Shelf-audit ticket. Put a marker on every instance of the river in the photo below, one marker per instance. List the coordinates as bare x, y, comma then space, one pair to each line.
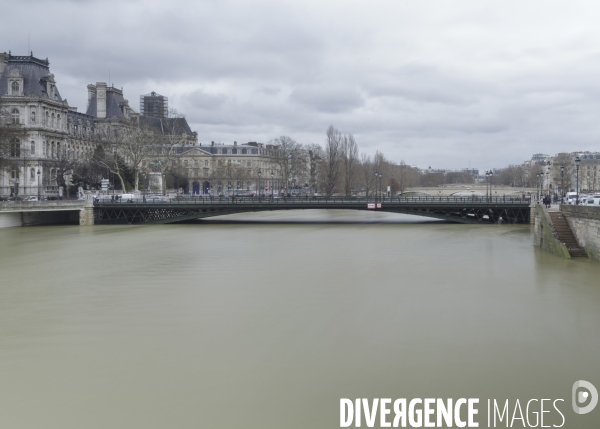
268, 325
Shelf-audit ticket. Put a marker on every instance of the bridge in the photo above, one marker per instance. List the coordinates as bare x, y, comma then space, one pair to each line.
471, 210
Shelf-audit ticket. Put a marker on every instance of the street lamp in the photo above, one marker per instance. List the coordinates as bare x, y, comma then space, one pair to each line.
145, 185
376, 185
272, 179
562, 186
258, 190
39, 191
547, 183
577, 162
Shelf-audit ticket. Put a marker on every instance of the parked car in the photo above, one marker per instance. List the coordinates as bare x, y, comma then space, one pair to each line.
14, 198
32, 198
593, 200
156, 199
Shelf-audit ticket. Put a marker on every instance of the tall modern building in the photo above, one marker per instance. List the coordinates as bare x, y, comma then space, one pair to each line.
154, 105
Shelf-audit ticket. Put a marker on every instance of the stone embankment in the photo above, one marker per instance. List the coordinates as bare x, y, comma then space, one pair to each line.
585, 224
574, 231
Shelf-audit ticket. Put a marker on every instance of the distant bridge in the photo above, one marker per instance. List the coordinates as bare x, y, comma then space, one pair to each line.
454, 209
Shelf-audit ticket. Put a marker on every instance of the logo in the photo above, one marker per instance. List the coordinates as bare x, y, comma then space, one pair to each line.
585, 397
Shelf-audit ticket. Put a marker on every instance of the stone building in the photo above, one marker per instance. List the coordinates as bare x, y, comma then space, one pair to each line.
227, 168
29, 92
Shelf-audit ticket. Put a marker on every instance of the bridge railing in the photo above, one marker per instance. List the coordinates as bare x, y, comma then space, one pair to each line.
308, 200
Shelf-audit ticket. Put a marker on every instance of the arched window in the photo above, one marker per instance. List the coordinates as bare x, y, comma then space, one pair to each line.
47, 119
15, 148
33, 116
15, 90
57, 149
16, 116
53, 124
58, 122
44, 148
32, 174
52, 150
32, 148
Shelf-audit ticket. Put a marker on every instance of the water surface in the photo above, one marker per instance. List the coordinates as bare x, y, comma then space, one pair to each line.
269, 325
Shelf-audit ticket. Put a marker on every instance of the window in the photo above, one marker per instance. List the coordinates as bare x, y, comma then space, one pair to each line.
32, 174
33, 148
206, 172
16, 116
249, 164
14, 174
52, 150
173, 163
33, 116
224, 151
196, 163
15, 149
244, 151
15, 88
239, 163
58, 122
185, 162
234, 151
206, 162
53, 123
47, 119
44, 147
228, 162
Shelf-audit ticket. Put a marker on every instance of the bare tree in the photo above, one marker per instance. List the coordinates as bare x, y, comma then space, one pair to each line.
137, 147
170, 136
566, 179
350, 158
315, 159
290, 159
10, 132
332, 159
368, 168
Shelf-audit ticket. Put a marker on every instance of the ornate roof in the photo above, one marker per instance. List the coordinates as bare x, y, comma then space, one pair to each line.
35, 73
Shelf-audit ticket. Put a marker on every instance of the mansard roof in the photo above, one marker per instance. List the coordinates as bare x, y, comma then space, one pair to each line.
165, 125
35, 73
114, 104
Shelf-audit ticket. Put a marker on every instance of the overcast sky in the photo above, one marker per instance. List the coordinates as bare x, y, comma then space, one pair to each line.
441, 83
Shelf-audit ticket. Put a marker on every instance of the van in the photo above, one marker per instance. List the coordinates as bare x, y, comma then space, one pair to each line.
571, 197
126, 198
593, 200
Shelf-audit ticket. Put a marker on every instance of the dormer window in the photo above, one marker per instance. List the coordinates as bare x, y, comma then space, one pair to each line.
15, 88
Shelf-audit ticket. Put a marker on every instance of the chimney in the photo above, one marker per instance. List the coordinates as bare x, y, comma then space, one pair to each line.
91, 92
101, 100
235, 143
3, 61
212, 143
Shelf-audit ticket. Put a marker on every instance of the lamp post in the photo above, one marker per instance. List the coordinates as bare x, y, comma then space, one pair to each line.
272, 179
547, 182
562, 186
577, 162
376, 177
145, 185
39, 191
490, 180
380, 174
258, 190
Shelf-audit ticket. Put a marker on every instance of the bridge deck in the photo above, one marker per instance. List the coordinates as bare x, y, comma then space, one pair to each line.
455, 209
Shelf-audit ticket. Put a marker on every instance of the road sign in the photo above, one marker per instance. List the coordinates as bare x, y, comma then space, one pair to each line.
371, 206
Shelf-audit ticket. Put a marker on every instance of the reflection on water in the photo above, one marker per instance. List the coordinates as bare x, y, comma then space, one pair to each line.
268, 326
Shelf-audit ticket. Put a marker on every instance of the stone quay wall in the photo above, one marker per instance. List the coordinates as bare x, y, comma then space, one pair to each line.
544, 235
585, 224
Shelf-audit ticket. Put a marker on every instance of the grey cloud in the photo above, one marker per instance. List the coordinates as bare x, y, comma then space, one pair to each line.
330, 99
